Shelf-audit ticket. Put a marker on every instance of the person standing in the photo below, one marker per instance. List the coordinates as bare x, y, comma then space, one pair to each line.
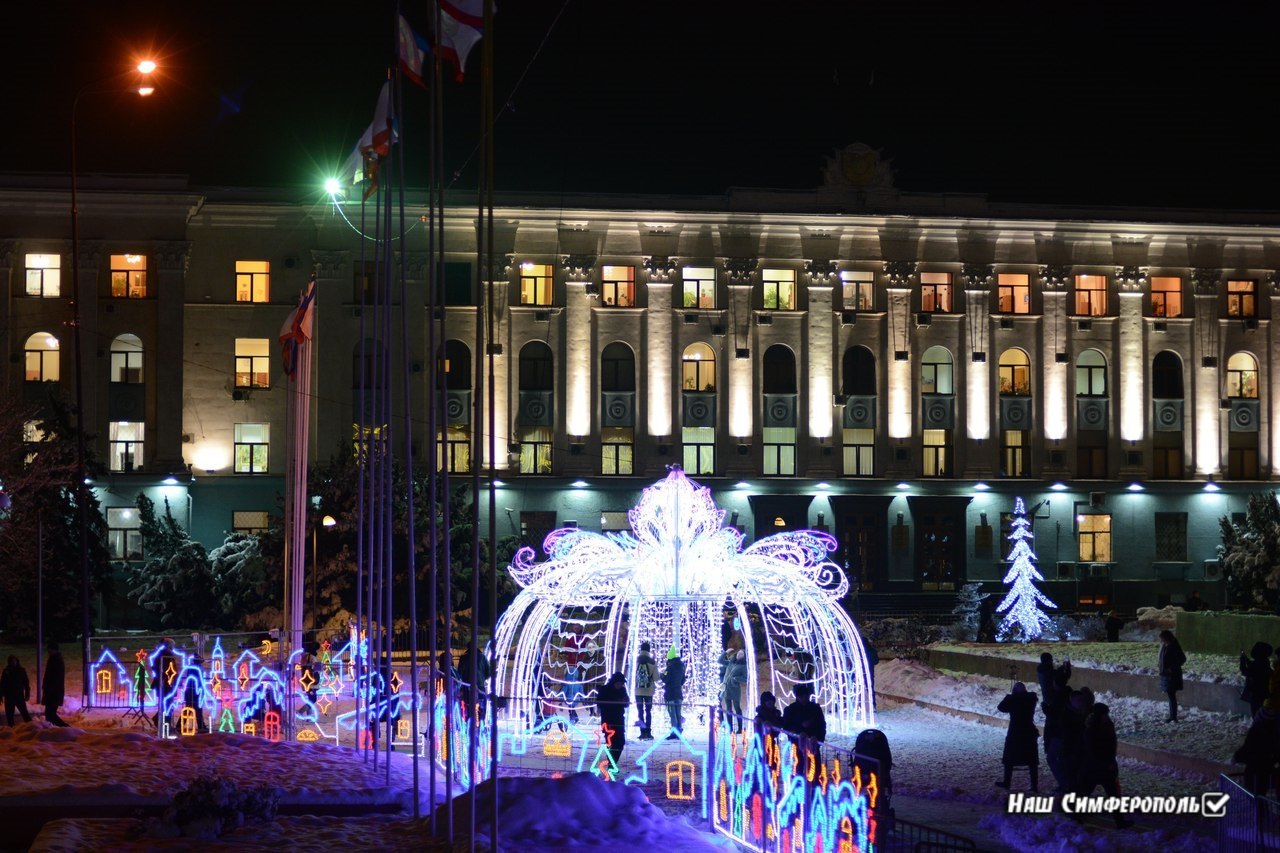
1020, 742
873, 658
767, 713
804, 717
16, 689
1044, 674
735, 675
1113, 625
646, 683
54, 688
1056, 706
1256, 670
1171, 661
1100, 763
673, 690
611, 704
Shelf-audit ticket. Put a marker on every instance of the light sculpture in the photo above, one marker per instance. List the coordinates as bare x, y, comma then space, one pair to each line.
1023, 617
673, 580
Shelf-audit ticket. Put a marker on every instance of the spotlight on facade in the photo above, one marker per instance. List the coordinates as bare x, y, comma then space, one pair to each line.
742, 484
1058, 487
1211, 486
822, 487
904, 486
579, 484
980, 487
1135, 487
498, 484
170, 480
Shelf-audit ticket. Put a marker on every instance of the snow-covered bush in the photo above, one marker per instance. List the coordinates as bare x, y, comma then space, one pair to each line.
900, 637
210, 805
1090, 628
968, 613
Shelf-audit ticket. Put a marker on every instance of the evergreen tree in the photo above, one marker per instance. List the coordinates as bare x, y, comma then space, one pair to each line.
1023, 618
176, 579
1250, 552
968, 611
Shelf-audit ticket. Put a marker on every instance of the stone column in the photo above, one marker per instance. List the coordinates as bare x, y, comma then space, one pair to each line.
821, 360
1055, 358
1207, 367
1132, 361
171, 284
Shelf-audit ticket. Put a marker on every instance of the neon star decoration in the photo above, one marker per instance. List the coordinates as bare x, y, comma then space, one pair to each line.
672, 580
1023, 617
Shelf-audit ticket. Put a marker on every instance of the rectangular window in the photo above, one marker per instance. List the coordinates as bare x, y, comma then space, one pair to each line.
859, 452
1013, 453
1242, 382
1015, 380
858, 290
44, 276
534, 527
1091, 295
1166, 462
253, 363
253, 281
126, 439
457, 283
936, 377
618, 286
1171, 537
935, 292
699, 450
699, 287
779, 451
935, 453
535, 450
1095, 538
455, 451
1242, 299
535, 283
252, 448
779, 289
1091, 454
128, 276
1166, 296
615, 520
617, 450
124, 533
126, 364
1013, 293
249, 521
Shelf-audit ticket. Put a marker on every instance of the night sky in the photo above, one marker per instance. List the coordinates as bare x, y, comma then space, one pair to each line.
1142, 104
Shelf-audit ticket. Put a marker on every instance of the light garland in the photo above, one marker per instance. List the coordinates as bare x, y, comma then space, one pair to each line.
1023, 617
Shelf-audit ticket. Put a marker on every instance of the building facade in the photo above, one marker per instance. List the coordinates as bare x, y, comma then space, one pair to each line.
894, 368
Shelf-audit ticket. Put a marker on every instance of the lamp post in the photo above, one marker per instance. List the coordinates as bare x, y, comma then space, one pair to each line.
110, 85
327, 521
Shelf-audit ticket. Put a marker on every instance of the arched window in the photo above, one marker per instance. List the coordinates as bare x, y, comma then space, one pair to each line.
454, 453
936, 372
536, 418
457, 365
42, 358
617, 390
1242, 376
780, 402
126, 360
536, 367
698, 368
779, 370
858, 372
617, 368
1166, 376
1015, 373
1091, 374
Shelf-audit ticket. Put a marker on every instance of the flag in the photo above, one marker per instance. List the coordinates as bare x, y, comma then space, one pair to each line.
413, 50
461, 25
297, 327
374, 144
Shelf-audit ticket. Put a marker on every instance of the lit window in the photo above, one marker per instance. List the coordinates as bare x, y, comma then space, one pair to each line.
779, 289
252, 448
936, 372
253, 363
618, 286
44, 276
935, 453
126, 360
253, 281
124, 533
1013, 453
128, 276
617, 450
249, 521
779, 445
1091, 374
1242, 376
698, 368
859, 452
126, 440
1242, 299
859, 290
1013, 293
535, 284
1095, 538
699, 287
1091, 295
1015, 373
455, 450
935, 292
535, 450
42, 358
699, 449
1166, 296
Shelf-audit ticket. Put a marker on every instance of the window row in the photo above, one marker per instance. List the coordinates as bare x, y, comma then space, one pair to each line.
128, 274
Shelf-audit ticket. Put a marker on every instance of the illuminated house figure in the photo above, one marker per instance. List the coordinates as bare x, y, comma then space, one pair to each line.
673, 580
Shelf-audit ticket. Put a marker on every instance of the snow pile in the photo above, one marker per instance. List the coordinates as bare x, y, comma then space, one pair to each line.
1159, 618
1137, 657
1058, 834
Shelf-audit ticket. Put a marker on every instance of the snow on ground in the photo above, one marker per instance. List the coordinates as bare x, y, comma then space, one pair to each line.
1138, 658
1204, 734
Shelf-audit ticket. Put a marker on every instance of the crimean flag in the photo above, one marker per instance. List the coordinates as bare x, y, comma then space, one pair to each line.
461, 26
413, 50
297, 327
374, 144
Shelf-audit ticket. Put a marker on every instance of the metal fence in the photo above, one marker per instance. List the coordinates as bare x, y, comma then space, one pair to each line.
902, 835
1250, 823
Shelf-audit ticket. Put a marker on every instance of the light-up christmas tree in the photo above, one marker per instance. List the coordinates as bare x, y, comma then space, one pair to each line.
1023, 617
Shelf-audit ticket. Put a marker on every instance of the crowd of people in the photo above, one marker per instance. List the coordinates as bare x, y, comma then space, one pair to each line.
1260, 752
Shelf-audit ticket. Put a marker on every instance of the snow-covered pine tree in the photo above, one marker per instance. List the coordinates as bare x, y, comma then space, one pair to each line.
968, 611
1023, 617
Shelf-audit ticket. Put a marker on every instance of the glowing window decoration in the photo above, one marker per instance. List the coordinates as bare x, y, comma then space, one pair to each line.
187, 721
271, 726
249, 728
681, 772
403, 730
556, 744
673, 576
102, 681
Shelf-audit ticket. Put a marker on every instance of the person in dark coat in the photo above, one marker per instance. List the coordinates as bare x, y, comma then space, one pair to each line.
1195, 603
1100, 763
804, 717
1044, 674
732, 678
1020, 742
767, 713
54, 688
1259, 754
1171, 661
1075, 755
611, 704
1056, 706
673, 690
1113, 625
1256, 670
646, 683
15, 687
872, 744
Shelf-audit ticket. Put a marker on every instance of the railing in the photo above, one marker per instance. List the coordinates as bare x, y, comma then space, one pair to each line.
1250, 823
905, 835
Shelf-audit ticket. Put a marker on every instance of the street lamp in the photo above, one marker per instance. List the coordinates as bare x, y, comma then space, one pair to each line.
111, 84
327, 521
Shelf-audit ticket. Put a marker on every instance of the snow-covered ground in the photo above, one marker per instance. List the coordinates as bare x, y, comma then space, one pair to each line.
1136, 657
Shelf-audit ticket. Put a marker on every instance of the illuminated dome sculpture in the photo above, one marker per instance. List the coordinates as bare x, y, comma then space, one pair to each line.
675, 579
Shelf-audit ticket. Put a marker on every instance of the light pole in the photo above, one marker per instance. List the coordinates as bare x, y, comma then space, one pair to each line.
145, 69
327, 521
